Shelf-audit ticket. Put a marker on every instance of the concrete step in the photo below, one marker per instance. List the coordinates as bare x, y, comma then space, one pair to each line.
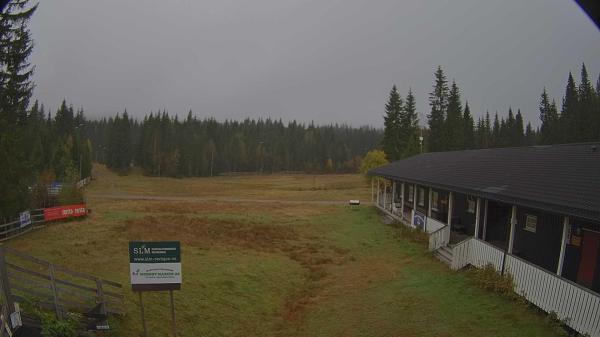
444, 254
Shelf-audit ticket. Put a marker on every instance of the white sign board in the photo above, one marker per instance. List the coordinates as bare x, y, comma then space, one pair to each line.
155, 265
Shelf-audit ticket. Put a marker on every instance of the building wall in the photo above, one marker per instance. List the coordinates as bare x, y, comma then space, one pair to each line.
539, 244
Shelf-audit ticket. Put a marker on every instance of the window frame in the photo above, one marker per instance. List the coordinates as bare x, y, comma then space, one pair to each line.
421, 197
435, 196
532, 228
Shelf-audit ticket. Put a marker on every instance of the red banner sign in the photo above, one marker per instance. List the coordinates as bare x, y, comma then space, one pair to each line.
64, 212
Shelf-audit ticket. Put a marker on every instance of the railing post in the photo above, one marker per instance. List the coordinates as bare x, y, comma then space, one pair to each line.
477, 216
5, 283
402, 201
54, 292
377, 191
563, 244
513, 222
449, 221
485, 215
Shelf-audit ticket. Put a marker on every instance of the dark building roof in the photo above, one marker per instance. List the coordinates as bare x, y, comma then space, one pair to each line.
559, 178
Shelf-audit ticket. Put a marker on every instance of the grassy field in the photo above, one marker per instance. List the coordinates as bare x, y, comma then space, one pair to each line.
288, 266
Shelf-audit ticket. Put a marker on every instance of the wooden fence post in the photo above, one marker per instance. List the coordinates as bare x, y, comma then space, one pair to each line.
100, 295
54, 292
5, 283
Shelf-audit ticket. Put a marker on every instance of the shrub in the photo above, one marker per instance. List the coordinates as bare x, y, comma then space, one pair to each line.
488, 278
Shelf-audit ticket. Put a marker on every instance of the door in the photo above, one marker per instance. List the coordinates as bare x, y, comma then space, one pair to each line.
589, 258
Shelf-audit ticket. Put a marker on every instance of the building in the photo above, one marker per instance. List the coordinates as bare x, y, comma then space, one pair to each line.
531, 212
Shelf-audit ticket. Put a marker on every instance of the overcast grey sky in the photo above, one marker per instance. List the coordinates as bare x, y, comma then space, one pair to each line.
322, 60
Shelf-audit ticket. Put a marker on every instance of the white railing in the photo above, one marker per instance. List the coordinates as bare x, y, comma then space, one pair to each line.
579, 307
482, 253
576, 305
460, 254
439, 238
433, 225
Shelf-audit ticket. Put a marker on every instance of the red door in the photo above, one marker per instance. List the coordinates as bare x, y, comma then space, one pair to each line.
589, 258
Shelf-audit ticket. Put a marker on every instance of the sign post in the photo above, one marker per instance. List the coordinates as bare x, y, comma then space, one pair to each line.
155, 266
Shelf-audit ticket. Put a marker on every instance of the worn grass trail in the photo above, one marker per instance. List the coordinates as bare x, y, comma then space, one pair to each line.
280, 269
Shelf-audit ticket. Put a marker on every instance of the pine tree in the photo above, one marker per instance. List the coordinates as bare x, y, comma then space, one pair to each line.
530, 135
438, 101
495, 136
469, 128
519, 132
392, 124
586, 123
549, 118
454, 124
570, 115
409, 125
17, 169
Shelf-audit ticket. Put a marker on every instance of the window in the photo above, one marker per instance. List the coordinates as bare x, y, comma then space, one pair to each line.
411, 192
421, 196
434, 200
530, 223
471, 204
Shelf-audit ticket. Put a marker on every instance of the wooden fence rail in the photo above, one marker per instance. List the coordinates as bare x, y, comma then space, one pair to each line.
27, 278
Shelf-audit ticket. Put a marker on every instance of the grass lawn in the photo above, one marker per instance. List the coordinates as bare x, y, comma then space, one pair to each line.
277, 268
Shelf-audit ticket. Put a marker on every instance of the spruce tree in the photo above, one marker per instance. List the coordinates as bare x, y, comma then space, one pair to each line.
469, 128
438, 101
549, 118
392, 124
519, 131
409, 121
454, 135
586, 123
570, 115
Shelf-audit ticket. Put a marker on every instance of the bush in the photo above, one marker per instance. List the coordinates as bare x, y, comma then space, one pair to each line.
51, 327
488, 278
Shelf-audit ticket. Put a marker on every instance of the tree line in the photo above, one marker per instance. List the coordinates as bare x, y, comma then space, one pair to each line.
451, 127
163, 145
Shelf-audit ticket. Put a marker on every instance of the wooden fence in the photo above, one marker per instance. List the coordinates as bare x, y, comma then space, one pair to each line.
28, 279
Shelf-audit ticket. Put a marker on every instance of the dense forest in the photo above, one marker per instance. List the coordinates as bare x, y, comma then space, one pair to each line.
163, 145
452, 127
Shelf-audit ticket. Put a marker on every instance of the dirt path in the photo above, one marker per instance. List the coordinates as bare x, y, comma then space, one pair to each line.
126, 196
